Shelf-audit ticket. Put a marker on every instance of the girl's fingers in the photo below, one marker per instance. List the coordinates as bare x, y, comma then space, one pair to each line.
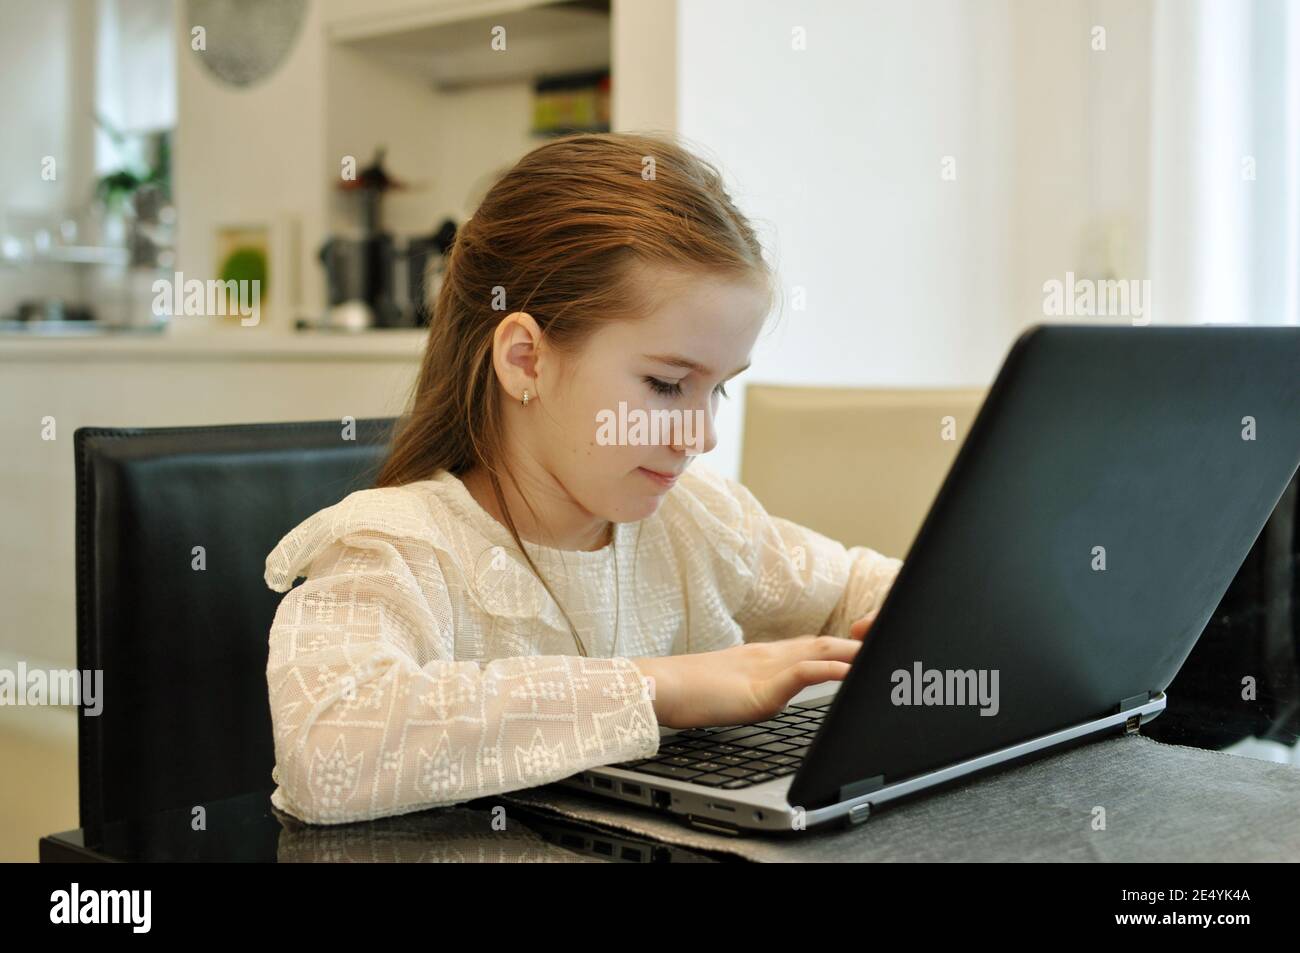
860, 628
799, 676
822, 647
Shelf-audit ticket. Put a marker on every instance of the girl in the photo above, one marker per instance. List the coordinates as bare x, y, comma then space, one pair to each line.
528, 591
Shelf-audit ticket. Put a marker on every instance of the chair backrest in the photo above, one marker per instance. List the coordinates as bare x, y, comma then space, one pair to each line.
173, 528
858, 465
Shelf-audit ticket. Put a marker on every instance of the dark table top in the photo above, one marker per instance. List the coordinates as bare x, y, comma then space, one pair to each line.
248, 828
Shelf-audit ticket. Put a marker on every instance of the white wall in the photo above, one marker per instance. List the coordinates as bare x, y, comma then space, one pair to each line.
1080, 191
912, 280
837, 153
643, 65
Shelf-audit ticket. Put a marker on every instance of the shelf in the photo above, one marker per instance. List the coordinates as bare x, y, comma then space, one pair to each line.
207, 345
450, 50
49, 329
566, 131
71, 255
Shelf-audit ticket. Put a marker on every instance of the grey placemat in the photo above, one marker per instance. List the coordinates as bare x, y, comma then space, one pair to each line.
1162, 803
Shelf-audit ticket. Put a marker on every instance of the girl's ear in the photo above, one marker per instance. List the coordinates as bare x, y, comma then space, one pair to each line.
515, 352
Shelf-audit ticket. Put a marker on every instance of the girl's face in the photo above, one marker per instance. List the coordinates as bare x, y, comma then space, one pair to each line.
639, 401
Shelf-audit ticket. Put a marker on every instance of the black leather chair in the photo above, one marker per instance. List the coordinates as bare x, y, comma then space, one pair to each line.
183, 650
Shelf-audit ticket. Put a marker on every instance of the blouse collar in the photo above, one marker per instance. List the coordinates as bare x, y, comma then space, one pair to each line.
458, 496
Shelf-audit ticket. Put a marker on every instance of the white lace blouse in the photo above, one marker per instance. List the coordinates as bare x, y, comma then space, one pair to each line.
422, 664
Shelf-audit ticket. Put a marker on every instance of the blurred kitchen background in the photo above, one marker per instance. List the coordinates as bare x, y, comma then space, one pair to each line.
326, 148
917, 169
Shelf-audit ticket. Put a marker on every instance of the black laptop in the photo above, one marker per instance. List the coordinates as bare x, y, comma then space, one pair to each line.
1109, 489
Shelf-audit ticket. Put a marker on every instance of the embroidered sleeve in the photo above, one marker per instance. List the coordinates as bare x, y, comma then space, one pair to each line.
373, 715
802, 581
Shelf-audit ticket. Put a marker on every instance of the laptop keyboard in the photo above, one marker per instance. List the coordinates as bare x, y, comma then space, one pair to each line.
736, 757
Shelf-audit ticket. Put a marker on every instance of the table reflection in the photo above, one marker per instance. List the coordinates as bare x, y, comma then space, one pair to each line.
250, 828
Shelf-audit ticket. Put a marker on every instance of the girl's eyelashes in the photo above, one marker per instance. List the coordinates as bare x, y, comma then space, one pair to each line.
674, 389
663, 387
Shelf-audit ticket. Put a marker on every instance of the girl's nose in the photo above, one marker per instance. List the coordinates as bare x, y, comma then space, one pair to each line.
702, 436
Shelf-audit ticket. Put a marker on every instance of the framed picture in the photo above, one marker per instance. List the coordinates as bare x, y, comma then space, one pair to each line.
243, 256
261, 258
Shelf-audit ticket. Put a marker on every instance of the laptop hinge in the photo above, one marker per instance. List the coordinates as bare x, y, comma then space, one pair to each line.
859, 813
1133, 702
859, 788
1133, 722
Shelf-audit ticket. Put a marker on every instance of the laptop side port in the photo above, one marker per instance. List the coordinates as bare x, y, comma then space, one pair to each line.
663, 799
714, 827
1131, 724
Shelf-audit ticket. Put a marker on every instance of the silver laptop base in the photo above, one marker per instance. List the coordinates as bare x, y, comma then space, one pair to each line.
764, 807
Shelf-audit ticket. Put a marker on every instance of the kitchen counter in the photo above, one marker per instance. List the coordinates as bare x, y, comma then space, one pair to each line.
239, 344
52, 383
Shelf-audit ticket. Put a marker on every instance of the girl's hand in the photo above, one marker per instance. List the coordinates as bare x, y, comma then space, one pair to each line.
858, 630
744, 683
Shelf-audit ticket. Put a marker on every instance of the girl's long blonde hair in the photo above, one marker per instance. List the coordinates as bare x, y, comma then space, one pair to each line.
557, 235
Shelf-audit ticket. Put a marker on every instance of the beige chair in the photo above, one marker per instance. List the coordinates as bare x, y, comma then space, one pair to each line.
860, 466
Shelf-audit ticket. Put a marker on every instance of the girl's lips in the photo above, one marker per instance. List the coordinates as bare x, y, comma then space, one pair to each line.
660, 478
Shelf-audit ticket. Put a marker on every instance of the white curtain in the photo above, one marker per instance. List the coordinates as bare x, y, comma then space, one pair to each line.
135, 74
1224, 226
